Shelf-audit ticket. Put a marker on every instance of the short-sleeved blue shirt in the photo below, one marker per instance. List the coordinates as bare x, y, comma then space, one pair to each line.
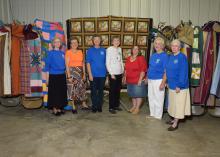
157, 65
96, 57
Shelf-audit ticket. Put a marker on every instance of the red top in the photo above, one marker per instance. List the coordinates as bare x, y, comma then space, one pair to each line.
133, 69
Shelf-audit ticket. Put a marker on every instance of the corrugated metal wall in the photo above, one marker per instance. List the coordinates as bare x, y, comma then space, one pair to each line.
169, 11
5, 11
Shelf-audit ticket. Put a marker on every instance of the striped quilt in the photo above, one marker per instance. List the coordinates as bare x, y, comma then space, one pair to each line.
31, 70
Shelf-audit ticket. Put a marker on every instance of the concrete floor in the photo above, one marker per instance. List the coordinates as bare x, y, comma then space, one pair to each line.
37, 133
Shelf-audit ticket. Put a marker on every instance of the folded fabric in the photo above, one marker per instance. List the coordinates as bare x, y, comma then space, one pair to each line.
29, 34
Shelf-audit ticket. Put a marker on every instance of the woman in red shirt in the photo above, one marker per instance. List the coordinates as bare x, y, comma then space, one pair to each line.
135, 70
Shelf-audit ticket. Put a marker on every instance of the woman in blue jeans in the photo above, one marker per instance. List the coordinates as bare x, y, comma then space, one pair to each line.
95, 62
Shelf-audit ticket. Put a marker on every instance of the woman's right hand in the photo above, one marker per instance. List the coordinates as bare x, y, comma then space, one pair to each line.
47, 82
113, 77
162, 86
70, 80
124, 80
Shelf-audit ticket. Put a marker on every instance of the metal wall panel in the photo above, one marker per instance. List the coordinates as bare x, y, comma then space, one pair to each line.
169, 11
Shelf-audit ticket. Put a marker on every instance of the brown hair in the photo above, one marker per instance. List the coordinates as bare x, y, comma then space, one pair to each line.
74, 38
115, 37
133, 49
96, 36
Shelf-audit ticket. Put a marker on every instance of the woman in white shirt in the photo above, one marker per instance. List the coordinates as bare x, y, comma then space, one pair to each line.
115, 67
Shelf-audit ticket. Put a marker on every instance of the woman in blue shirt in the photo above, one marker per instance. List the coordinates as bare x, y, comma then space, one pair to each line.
95, 63
56, 78
178, 83
157, 79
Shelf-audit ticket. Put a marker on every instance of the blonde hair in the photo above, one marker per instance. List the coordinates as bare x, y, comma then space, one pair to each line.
56, 38
176, 41
160, 40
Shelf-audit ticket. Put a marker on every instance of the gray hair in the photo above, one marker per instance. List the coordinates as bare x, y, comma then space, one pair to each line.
176, 41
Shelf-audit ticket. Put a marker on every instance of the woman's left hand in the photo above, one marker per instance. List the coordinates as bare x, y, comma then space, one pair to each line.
146, 81
84, 77
177, 90
162, 86
139, 82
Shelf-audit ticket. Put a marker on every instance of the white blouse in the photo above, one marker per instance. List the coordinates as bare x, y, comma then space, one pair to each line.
114, 61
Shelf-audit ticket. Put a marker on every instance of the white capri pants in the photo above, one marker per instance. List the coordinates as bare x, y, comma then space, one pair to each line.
156, 98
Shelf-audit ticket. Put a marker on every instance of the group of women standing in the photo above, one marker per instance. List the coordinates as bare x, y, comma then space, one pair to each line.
164, 70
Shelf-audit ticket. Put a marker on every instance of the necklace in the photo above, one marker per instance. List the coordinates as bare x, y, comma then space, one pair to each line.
133, 58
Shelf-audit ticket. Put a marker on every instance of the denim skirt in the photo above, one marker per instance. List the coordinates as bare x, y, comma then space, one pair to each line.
137, 91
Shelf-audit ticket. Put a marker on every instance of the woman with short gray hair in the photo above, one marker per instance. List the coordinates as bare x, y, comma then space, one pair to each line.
178, 84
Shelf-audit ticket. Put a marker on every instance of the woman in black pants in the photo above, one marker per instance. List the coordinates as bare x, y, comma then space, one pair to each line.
115, 67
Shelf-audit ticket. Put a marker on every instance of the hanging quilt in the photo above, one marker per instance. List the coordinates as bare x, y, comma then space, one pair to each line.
31, 76
2, 47
17, 35
48, 31
202, 92
196, 56
6, 64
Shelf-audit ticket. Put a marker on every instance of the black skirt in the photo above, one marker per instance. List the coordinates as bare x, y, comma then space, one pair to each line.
57, 91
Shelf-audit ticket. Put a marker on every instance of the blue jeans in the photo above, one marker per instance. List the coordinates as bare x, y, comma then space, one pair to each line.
97, 87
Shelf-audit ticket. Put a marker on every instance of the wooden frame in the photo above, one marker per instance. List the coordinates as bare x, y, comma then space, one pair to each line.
88, 40
103, 25
104, 39
76, 26
89, 26
126, 52
129, 26
142, 26
142, 51
116, 25
142, 40
128, 39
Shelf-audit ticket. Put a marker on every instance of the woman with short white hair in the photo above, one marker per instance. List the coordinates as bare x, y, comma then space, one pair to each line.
157, 79
178, 83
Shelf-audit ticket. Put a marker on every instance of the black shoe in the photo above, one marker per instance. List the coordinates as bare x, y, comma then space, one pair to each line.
62, 112
112, 111
74, 111
56, 114
171, 128
94, 110
99, 110
85, 108
118, 108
